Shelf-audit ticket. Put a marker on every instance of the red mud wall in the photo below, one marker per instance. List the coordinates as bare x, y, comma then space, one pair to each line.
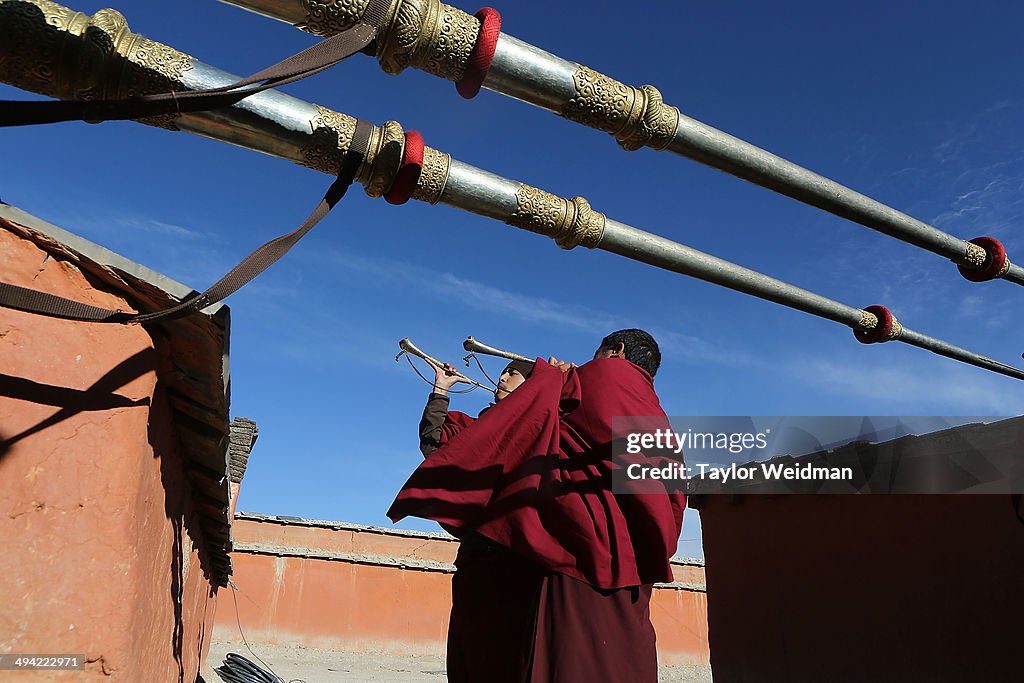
99, 546
865, 588
345, 589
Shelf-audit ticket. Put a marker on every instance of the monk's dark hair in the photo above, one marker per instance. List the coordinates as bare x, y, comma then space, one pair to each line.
640, 348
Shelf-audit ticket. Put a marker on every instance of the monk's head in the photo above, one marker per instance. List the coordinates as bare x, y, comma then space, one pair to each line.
514, 374
636, 346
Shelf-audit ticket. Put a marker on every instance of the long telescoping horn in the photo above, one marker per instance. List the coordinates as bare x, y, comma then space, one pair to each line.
408, 347
447, 42
286, 127
474, 346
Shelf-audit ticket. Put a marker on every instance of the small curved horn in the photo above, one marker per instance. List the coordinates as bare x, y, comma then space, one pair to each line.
408, 347
474, 346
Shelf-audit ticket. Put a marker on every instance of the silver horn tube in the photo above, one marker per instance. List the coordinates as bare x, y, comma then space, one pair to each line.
38, 31
408, 347
474, 346
637, 117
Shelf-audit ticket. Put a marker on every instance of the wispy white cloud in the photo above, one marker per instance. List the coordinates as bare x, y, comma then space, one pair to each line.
329, 345
148, 225
965, 180
448, 287
978, 309
103, 222
907, 173
474, 294
531, 309
907, 387
192, 255
953, 146
917, 390
693, 348
992, 203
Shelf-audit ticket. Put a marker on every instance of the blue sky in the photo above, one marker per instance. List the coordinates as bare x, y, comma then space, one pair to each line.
919, 109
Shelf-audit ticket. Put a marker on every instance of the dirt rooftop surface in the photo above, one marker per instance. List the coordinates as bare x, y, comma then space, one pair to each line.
310, 665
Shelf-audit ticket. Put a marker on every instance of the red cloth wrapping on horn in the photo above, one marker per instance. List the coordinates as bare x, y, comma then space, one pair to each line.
882, 332
409, 172
483, 53
533, 473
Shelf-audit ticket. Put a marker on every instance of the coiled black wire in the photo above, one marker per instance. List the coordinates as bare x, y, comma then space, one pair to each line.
238, 669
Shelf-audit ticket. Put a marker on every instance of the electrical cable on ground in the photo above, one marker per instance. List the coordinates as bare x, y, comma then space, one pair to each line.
238, 669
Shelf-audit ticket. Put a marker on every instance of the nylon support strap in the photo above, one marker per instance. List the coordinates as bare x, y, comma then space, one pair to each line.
32, 301
308, 62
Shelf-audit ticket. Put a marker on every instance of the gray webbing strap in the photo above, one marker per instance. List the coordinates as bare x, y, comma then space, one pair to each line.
32, 301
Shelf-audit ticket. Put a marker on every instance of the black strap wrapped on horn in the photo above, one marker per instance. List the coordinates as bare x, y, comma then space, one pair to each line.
42, 303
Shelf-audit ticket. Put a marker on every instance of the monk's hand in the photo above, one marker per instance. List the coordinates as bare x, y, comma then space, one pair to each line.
560, 364
445, 377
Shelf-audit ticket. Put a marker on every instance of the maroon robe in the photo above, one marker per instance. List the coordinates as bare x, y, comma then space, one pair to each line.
438, 424
534, 475
558, 587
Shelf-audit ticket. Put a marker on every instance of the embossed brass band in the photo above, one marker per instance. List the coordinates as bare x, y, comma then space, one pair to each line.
438, 38
570, 222
46, 48
424, 34
637, 117
61, 53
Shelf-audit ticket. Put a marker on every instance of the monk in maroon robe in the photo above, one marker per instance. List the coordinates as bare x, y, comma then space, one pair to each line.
481, 563
562, 592
438, 424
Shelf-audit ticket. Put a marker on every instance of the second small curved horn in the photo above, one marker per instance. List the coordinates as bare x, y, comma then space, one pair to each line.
474, 346
408, 347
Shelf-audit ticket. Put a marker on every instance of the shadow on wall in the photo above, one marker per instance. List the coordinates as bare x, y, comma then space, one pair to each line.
100, 396
189, 599
190, 610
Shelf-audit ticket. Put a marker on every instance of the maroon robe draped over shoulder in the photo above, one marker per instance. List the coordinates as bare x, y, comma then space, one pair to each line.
533, 474
454, 422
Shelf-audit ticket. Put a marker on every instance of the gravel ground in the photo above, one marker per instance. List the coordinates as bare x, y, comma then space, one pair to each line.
310, 665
